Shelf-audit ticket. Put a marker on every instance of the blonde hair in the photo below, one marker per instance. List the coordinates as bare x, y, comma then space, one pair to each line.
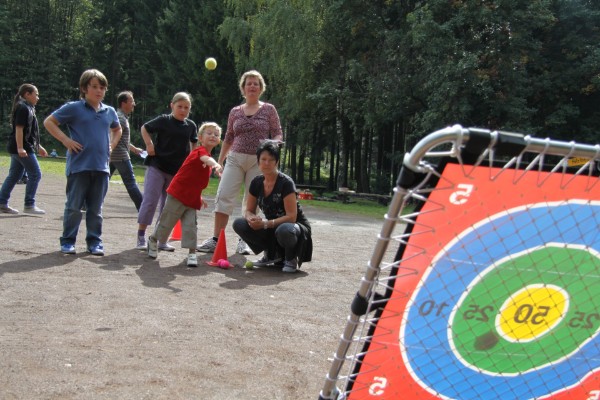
255, 74
181, 96
209, 125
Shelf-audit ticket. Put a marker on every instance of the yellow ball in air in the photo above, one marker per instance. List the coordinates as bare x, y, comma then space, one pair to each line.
210, 63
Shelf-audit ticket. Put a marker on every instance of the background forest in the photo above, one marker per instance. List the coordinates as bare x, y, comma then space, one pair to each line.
356, 82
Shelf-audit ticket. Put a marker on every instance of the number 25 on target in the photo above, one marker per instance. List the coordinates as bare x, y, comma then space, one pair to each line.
378, 386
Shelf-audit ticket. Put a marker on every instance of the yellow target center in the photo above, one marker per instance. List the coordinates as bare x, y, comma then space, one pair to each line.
532, 312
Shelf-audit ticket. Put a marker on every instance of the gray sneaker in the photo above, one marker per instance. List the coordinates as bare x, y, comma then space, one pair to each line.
33, 210
243, 248
192, 260
152, 247
290, 265
6, 209
208, 246
141, 243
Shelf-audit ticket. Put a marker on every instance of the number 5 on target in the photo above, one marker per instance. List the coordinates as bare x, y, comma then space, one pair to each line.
461, 195
378, 386
594, 395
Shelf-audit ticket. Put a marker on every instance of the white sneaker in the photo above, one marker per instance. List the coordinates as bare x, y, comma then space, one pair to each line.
152, 247
33, 210
192, 260
208, 246
6, 209
243, 248
165, 247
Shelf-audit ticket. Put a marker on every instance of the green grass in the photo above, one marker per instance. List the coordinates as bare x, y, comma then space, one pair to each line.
365, 208
56, 166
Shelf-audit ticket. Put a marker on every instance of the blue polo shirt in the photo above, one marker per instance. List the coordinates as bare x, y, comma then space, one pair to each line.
91, 129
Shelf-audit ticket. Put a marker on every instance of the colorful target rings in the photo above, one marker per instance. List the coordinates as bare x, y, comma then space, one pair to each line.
508, 307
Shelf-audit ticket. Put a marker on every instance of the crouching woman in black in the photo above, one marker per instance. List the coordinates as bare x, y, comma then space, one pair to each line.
285, 232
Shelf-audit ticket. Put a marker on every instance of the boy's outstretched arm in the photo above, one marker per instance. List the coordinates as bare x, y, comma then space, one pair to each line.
211, 162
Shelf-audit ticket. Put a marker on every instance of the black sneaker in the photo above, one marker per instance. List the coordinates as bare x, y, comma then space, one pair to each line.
264, 261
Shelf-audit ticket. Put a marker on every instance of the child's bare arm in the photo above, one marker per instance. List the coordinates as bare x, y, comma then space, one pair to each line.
211, 163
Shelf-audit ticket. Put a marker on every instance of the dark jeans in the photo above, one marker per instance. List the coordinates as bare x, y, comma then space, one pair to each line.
283, 238
89, 188
17, 166
126, 171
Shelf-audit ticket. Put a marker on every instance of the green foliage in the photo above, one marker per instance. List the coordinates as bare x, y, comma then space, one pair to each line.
56, 166
356, 83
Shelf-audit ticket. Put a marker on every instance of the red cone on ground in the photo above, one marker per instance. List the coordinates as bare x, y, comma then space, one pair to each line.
220, 253
176, 233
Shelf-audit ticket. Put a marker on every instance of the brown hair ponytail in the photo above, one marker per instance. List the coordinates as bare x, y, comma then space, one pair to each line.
24, 88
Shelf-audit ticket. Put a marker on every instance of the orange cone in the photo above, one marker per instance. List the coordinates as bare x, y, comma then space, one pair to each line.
176, 233
219, 258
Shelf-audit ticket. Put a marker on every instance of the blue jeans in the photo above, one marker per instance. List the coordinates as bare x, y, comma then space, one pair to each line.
89, 188
15, 172
126, 171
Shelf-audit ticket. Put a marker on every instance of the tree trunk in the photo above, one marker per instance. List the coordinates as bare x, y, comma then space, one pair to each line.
301, 158
362, 154
292, 163
333, 163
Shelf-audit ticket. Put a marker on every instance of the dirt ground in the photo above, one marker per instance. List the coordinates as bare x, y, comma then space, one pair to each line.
124, 326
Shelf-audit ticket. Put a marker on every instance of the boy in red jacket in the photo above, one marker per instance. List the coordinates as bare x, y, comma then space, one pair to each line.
184, 194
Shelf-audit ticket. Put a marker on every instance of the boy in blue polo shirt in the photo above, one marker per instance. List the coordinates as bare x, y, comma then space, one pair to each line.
94, 130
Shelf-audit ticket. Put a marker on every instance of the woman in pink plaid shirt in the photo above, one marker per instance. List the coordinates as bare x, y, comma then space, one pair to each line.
248, 124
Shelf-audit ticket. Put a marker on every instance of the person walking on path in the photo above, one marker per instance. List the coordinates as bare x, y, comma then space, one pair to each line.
184, 195
91, 124
119, 158
169, 139
23, 143
248, 124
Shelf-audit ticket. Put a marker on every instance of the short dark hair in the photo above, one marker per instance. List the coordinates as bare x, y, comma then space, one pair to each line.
124, 97
271, 147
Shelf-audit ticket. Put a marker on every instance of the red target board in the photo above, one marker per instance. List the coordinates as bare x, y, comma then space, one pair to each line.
496, 295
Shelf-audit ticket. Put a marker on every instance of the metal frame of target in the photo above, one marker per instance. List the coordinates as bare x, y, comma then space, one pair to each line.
492, 292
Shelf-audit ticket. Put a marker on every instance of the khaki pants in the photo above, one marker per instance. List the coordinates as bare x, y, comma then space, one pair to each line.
239, 169
174, 211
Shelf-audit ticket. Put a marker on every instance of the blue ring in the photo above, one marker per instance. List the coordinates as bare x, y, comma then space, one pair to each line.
426, 343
